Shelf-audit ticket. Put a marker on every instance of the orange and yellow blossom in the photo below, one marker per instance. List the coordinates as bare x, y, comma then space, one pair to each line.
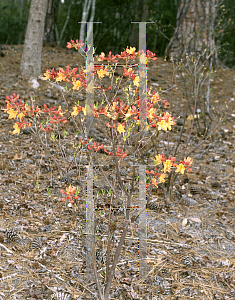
162, 178
131, 50
160, 158
121, 127
70, 190
154, 182
188, 161
162, 125
169, 120
165, 122
155, 98
167, 165
128, 114
47, 75
59, 112
20, 116
151, 113
60, 76
101, 56
12, 113
17, 129
102, 72
84, 110
180, 169
76, 111
136, 81
76, 84
130, 73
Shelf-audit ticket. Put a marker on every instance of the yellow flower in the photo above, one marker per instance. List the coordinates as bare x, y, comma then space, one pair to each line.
188, 160
154, 182
17, 129
128, 114
154, 98
131, 50
129, 70
60, 112
60, 76
75, 111
47, 75
162, 125
167, 165
70, 190
136, 81
158, 160
170, 122
12, 113
84, 109
180, 168
101, 56
162, 178
121, 128
150, 113
101, 73
20, 116
76, 84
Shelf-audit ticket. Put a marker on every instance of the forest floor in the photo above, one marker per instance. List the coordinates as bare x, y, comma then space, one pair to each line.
191, 242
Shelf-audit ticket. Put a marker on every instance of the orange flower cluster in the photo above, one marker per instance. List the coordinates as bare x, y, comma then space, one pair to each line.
118, 153
168, 164
17, 109
55, 117
76, 45
69, 192
96, 147
130, 54
78, 80
130, 73
101, 71
110, 58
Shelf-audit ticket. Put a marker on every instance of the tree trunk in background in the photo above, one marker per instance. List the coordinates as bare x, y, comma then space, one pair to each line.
133, 39
141, 14
1, 53
49, 32
60, 37
31, 58
86, 8
194, 29
21, 20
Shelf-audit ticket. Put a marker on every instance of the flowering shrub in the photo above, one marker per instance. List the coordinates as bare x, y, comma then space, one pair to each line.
122, 117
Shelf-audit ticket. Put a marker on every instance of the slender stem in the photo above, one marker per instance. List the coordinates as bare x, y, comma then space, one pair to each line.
109, 237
